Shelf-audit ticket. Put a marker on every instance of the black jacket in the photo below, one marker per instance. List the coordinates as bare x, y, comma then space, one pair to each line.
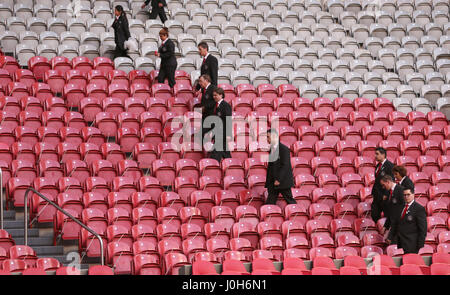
210, 67
377, 190
392, 206
410, 231
156, 2
167, 54
121, 31
223, 111
407, 183
279, 168
208, 101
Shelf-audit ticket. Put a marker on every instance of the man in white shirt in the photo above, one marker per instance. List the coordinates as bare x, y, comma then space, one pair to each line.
410, 229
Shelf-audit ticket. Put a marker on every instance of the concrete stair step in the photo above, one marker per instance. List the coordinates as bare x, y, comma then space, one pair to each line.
18, 233
19, 224
36, 241
9, 215
13, 224
49, 250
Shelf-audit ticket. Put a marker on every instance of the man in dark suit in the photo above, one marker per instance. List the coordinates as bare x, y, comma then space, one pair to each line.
393, 202
207, 103
121, 32
384, 167
222, 132
400, 174
410, 229
279, 177
210, 65
157, 9
168, 59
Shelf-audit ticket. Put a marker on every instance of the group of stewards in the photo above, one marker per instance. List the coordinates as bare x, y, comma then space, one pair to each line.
392, 192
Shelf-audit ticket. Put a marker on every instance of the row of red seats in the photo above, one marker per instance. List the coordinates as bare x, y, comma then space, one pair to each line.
304, 138
412, 264
142, 248
308, 157
21, 258
382, 264
166, 174
120, 253
108, 123
76, 155
192, 239
318, 229
16, 111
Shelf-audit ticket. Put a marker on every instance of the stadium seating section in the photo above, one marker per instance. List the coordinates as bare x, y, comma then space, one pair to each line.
94, 134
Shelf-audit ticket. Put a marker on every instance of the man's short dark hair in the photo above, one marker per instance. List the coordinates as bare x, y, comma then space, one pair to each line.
119, 8
203, 45
381, 151
272, 130
409, 189
387, 178
400, 170
206, 77
220, 91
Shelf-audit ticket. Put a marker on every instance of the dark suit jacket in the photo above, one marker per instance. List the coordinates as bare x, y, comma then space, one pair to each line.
410, 231
378, 191
211, 68
167, 54
121, 31
392, 206
156, 2
208, 101
224, 112
407, 183
279, 168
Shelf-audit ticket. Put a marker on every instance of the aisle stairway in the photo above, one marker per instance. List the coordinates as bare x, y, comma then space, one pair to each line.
40, 238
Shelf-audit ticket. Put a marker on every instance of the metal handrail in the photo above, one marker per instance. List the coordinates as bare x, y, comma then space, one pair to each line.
65, 213
1, 198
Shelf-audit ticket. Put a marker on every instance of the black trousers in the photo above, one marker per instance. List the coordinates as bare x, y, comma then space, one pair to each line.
273, 196
376, 209
158, 12
120, 52
219, 155
167, 72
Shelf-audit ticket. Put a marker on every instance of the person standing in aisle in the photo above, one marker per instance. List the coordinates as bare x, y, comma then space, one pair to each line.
168, 60
400, 174
279, 177
384, 167
393, 202
207, 102
210, 65
157, 9
222, 110
121, 32
410, 229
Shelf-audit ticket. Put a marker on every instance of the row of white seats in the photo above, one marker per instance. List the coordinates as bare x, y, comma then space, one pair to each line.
334, 6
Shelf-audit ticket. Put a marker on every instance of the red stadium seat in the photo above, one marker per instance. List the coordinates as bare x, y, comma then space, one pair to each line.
234, 267
318, 119
359, 119
100, 270
417, 119
362, 104
82, 63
